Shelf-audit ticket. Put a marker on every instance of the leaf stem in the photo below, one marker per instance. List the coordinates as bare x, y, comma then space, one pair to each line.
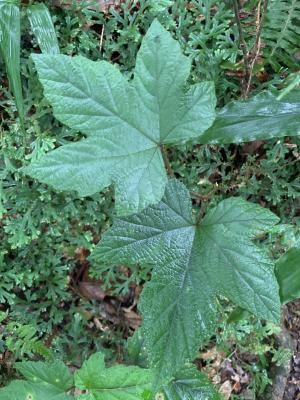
166, 161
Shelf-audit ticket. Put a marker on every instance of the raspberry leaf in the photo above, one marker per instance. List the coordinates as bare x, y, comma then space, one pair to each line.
126, 122
193, 264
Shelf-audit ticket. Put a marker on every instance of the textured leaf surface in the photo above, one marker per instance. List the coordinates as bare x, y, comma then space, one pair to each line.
10, 49
126, 123
193, 264
55, 374
116, 383
191, 385
42, 27
288, 275
22, 390
262, 117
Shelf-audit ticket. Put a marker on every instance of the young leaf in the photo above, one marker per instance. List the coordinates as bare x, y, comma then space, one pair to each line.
259, 118
55, 374
10, 49
126, 123
190, 384
288, 275
193, 264
116, 383
42, 27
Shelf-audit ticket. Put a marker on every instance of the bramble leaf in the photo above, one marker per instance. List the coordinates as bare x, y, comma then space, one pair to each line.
259, 118
23, 390
55, 373
47, 381
119, 382
190, 384
126, 122
194, 263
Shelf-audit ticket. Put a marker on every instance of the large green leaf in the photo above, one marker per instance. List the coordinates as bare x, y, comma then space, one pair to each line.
288, 275
42, 27
261, 117
119, 382
190, 384
126, 123
10, 49
22, 390
55, 374
193, 264
47, 381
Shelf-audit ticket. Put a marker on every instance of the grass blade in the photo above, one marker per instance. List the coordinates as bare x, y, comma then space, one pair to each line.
43, 29
10, 50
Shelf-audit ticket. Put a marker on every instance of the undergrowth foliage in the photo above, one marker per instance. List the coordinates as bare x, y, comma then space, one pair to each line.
139, 132
194, 259
281, 34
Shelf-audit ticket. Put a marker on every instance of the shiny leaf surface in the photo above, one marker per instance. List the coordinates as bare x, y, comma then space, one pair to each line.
42, 27
193, 264
10, 37
261, 117
126, 123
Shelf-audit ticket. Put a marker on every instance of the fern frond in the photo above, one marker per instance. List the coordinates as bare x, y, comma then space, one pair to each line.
281, 34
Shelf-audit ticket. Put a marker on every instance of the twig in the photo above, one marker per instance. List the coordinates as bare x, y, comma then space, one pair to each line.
256, 47
166, 161
101, 38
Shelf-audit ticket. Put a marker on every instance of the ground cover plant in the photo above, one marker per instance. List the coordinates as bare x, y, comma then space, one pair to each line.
147, 129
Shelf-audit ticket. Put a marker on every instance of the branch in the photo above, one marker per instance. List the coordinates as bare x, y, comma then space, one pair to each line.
256, 47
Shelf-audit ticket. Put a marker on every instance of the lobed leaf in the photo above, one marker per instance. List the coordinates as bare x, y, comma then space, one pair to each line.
22, 390
259, 118
116, 383
55, 374
126, 123
190, 384
193, 264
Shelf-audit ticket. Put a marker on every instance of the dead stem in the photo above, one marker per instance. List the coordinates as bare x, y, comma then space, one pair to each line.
166, 161
243, 45
261, 12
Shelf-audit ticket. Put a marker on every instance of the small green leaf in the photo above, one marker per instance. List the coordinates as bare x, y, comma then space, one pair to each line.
190, 384
193, 264
42, 27
116, 383
10, 49
55, 374
126, 123
261, 117
288, 275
